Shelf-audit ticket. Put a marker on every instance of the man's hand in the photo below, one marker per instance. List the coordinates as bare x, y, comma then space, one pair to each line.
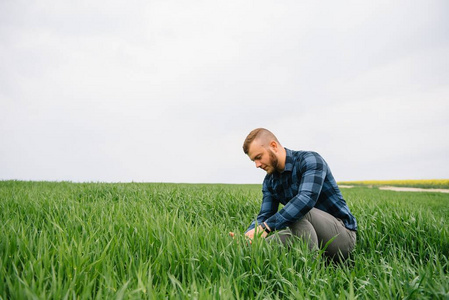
258, 230
255, 231
250, 233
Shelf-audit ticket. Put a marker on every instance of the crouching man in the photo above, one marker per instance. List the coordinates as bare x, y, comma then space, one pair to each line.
314, 208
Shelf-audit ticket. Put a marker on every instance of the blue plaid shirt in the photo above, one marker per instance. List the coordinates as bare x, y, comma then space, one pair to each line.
306, 182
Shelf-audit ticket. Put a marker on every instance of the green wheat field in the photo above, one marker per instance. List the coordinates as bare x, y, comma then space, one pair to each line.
62, 240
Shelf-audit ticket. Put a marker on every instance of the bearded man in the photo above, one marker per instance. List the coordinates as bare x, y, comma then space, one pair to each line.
314, 208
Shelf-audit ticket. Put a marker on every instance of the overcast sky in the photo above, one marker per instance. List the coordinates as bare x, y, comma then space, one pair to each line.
166, 91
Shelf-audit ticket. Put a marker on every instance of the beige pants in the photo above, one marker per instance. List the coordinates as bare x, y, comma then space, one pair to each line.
317, 228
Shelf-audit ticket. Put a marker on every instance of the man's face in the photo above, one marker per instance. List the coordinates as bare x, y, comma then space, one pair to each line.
263, 157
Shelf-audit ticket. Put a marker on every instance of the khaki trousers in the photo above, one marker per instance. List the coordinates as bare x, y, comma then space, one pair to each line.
316, 229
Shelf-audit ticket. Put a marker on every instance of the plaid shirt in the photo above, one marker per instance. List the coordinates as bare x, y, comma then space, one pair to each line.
306, 182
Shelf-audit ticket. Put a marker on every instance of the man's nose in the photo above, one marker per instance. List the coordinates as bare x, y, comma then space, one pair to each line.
258, 164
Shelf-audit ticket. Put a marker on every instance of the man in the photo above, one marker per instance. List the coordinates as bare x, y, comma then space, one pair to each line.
314, 208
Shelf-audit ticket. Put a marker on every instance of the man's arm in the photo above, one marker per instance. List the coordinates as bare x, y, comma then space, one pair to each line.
268, 208
313, 169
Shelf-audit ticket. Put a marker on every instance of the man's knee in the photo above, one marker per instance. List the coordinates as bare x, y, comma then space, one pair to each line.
330, 232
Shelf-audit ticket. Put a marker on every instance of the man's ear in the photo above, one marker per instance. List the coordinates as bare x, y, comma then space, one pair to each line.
274, 146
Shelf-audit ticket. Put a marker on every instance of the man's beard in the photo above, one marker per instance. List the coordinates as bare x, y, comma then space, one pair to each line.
274, 162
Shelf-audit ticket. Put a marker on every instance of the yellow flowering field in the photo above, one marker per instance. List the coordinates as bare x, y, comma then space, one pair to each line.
421, 183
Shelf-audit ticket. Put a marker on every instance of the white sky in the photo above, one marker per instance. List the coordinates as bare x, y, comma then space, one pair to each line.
166, 91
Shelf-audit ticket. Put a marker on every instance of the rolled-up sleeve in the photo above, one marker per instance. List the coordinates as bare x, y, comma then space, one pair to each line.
313, 169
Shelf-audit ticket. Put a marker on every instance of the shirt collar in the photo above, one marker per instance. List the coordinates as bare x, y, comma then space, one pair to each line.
288, 160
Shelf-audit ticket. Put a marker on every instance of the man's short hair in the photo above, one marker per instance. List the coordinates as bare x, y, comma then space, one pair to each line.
267, 135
